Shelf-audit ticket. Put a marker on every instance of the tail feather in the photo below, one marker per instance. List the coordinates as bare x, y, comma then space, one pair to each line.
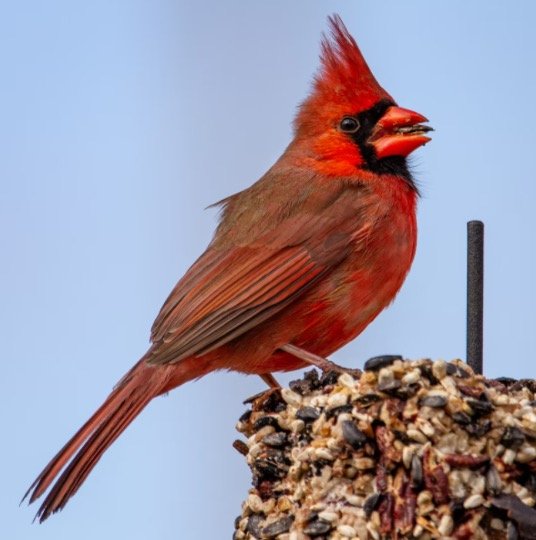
125, 402
84, 461
41, 483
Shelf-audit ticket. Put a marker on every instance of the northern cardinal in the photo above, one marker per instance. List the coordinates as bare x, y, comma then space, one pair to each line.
301, 262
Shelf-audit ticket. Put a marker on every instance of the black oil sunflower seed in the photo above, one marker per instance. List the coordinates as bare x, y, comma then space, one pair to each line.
513, 437
435, 402
277, 439
371, 503
378, 362
254, 525
317, 528
277, 527
353, 435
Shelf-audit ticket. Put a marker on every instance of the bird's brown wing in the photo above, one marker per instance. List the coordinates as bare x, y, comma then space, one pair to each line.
231, 290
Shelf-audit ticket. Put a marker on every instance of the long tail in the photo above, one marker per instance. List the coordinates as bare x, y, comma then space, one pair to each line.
127, 400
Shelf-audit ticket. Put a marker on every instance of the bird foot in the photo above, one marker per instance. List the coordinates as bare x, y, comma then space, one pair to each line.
315, 360
318, 361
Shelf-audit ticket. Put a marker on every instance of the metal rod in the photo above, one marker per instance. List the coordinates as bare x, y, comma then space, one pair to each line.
475, 294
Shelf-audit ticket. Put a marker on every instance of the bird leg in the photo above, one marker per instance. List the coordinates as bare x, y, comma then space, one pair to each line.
313, 359
322, 363
270, 380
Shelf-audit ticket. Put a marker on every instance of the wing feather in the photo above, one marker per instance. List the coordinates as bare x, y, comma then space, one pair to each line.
244, 279
225, 309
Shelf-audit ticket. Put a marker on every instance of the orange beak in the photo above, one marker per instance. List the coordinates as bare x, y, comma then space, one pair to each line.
399, 132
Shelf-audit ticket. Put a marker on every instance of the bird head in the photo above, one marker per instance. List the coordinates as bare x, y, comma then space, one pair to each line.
349, 121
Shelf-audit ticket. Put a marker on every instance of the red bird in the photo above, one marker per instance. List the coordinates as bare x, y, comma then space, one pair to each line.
301, 262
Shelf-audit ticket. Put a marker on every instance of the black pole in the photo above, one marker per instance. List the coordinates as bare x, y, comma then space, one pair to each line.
475, 294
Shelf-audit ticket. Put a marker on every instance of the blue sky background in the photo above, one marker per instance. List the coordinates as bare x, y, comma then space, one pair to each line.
120, 121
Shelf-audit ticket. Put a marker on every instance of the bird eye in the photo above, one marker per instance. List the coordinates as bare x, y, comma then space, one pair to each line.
349, 124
